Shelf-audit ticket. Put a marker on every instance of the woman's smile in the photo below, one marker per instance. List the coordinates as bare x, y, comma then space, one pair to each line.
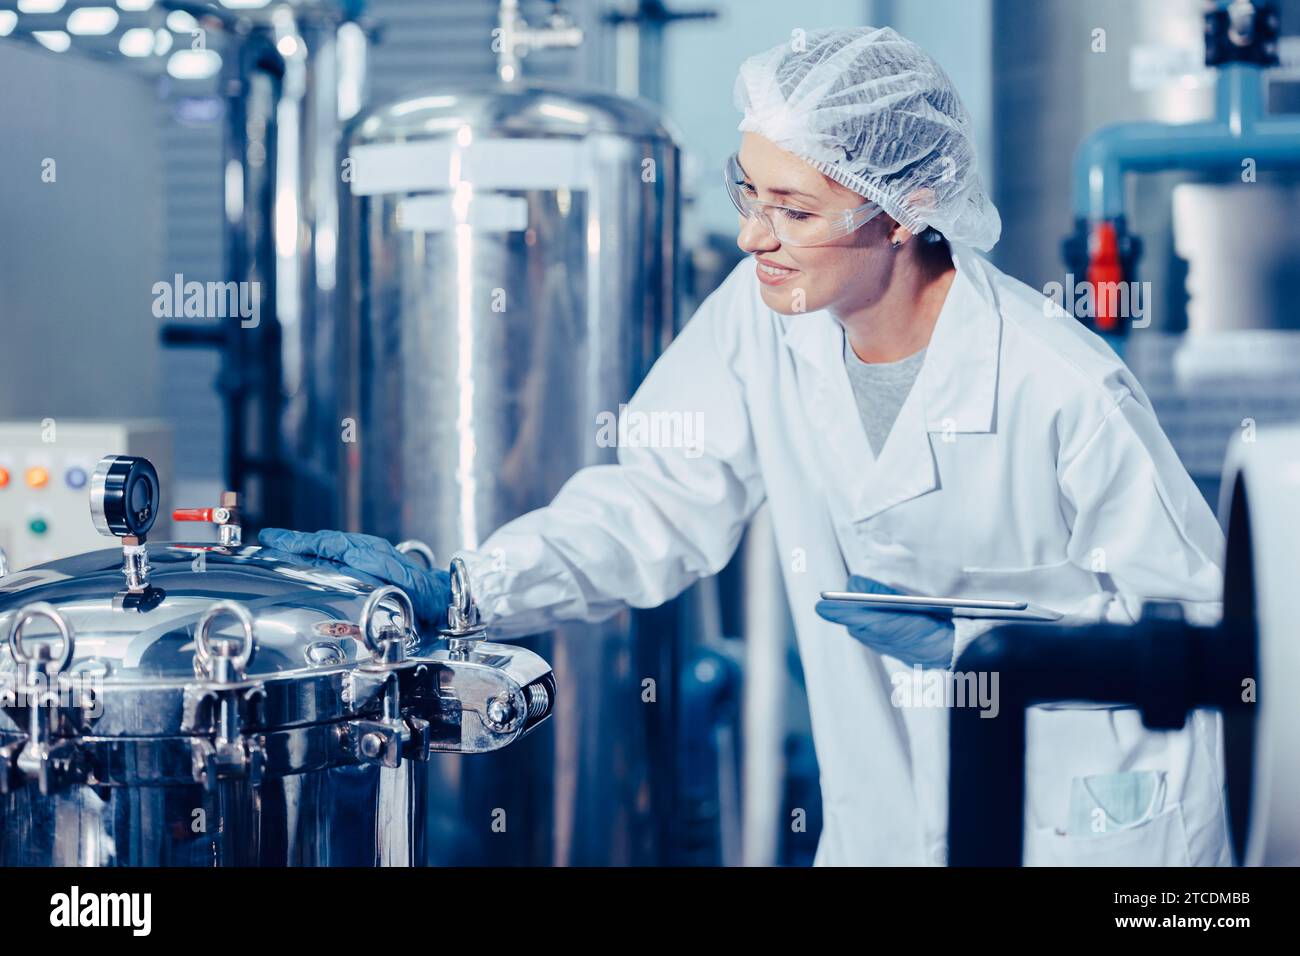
770, 273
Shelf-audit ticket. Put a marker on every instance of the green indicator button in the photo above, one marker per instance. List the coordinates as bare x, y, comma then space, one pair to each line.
38, 526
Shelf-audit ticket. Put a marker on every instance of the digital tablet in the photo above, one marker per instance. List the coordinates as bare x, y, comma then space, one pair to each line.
956, 607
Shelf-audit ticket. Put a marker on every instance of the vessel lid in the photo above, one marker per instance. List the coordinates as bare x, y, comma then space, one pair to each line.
527, 109
307, 614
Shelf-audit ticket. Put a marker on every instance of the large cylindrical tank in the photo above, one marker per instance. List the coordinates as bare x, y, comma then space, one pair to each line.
511, 259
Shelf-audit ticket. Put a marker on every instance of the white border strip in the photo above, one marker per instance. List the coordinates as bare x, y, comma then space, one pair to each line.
440, 164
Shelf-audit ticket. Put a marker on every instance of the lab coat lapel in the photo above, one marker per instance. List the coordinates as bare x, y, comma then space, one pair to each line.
959, 381
906, 467
847, 466
955, 391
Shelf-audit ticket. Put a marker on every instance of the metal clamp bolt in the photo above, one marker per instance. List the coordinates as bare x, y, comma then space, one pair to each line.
49, 760
385, 740
224, 703
390, 646
500, 712
41, 655
415, 546
463, 629
219, 661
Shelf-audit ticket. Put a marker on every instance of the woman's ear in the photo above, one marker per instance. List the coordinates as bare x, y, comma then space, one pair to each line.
919, 199
883, 227
898, 235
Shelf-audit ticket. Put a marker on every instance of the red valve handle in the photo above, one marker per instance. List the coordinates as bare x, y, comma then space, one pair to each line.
1104, 271
192, 514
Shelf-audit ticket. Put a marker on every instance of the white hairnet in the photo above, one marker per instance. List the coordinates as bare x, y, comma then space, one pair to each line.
876, 114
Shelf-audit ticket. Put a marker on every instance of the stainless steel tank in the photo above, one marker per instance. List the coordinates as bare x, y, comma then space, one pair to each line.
200, 704
511, 258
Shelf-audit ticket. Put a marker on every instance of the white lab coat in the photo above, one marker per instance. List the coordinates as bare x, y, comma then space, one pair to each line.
1025, 463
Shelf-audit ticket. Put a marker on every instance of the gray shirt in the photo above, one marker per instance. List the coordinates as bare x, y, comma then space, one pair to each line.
880, 389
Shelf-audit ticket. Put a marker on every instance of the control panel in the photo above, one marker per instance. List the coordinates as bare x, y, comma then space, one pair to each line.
46, 470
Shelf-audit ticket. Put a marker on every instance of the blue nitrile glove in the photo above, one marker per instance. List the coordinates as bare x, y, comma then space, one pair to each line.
909, 636
429, 591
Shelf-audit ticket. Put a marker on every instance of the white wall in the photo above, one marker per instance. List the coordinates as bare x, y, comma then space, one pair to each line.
957, 33
79, 255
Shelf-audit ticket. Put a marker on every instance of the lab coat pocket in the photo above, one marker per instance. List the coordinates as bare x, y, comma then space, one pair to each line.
1159, 841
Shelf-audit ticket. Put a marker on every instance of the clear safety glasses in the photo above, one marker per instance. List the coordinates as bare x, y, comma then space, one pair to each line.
791, 226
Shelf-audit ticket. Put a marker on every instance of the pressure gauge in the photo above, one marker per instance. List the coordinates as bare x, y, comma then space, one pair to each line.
124, 496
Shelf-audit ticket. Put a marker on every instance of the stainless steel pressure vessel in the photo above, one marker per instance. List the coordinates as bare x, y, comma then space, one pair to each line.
201, 704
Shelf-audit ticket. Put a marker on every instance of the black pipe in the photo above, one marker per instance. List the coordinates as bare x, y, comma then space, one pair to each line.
179, 335
1161, 666
251, 373
249, 381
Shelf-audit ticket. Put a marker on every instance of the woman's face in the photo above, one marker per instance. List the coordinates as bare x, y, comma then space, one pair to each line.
843, 275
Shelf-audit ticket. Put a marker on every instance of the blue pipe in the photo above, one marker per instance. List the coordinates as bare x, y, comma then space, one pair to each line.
1240, 130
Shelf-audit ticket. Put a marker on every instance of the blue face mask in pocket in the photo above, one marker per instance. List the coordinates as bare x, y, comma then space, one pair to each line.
1106, 802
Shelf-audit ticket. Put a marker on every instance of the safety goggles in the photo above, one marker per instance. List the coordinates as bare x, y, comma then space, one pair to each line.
791, 226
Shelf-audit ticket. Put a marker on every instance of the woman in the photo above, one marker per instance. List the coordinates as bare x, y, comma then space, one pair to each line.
918, 421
